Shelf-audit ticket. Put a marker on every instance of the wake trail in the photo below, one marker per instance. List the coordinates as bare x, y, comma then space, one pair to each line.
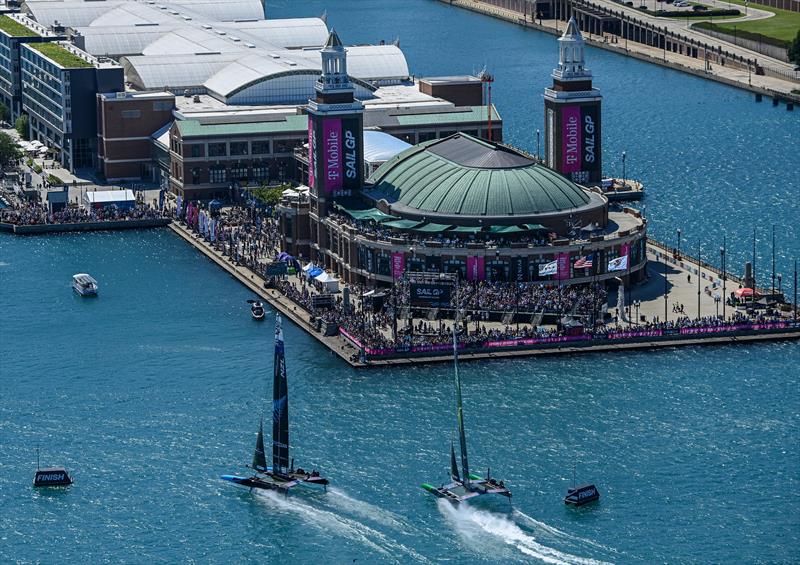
347, 527
555, 532
469, 522
344, 501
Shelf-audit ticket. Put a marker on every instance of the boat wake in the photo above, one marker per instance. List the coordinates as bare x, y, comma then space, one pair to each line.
345, 526
343, 501
556, 533
474, 526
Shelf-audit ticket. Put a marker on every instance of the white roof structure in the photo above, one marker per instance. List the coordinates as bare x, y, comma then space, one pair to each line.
109, 196
380, 146
221, 47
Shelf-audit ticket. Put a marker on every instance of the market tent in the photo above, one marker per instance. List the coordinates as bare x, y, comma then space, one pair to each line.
308, 267
315, 272
744, 292
330, 283
402, 224
467, 229
432, 228
104, 198
506, 229
535, 227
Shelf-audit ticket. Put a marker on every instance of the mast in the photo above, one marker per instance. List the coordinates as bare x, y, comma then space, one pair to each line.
453, 464
280, 406
259, 459
459, 410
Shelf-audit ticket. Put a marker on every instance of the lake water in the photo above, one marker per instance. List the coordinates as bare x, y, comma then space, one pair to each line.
151, 391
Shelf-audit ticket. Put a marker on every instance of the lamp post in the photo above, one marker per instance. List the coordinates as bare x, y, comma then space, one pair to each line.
538, 149
698, 279
623, 170
724, 277
666, 287
637, 304
679, 243
772, 288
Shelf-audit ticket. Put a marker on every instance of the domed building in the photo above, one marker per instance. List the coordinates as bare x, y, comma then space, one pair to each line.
457, 204
462, 181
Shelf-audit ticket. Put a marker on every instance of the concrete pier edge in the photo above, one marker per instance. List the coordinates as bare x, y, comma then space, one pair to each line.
344, 349
488, 11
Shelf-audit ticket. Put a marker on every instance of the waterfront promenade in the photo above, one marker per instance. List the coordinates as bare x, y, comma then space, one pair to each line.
773, 86
621, 338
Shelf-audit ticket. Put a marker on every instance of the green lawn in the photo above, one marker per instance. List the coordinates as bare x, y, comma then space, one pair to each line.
15, 29
784, 25
60, 55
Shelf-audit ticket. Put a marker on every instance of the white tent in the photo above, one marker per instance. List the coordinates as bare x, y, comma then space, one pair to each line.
330, 283
308, 267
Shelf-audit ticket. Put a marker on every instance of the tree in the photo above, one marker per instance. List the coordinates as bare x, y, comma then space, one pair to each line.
9, 152
21, 125
269, 195
794, 49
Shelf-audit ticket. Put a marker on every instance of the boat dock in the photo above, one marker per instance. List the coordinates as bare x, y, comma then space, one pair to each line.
84, 226
632, 340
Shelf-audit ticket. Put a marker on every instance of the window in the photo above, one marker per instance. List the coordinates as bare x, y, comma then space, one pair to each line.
238, 148
217, 150
239, 172
131, 114
162, 106
217, 173
285, 145
197, 150
260, 172
195, 176
260, 147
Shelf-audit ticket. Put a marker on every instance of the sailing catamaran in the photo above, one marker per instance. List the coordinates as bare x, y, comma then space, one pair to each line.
471, 485
281, 475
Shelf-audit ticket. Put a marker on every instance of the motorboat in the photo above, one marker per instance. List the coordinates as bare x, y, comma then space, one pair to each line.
466, 486
282, 474
256, 309
84, 284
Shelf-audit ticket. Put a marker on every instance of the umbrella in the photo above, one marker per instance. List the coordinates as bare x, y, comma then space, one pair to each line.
741, 292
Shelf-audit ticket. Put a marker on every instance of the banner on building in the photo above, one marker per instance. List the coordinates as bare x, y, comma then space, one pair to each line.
563, 265
398, 264
430, 295
312, 152
571, 139
547, 269
476, 268
332, 155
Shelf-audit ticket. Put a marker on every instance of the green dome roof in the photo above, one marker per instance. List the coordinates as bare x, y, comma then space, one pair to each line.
464, 176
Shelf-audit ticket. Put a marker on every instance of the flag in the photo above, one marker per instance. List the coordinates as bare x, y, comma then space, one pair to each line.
618, 264
548, 268
584, 262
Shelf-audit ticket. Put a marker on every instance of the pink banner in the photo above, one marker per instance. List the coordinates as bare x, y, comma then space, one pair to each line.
571, 139
332, 154
563, 266
398, 265
625, 250
476, 268
312, 146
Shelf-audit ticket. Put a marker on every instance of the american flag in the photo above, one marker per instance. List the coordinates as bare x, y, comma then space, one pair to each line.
584, 262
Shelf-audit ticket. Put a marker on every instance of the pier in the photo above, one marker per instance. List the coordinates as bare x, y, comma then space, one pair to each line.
630, 339
685, 50
84, 226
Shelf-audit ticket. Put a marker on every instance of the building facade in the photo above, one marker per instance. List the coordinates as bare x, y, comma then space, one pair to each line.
14, 31
60, 87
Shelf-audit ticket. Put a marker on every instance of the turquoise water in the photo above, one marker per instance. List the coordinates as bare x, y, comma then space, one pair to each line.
151, 391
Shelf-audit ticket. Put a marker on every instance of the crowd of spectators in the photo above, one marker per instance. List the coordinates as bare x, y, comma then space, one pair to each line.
250, 237
37, 214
